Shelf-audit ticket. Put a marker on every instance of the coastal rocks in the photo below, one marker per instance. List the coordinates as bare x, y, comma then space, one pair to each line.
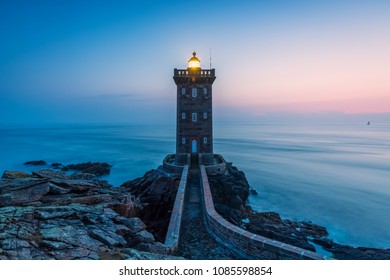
230, 193
15, 175
157, 192
270, 225
95, 168
344, 252
52, 215
36, 162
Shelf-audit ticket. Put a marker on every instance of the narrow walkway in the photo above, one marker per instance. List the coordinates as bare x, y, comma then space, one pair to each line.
195, 242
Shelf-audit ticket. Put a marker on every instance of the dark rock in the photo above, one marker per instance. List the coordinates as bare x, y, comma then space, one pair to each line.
96, 168
230, 194
157, 192
134, 224
51, 174
83, 176
15, 175
57, 165
107, 238
36, 162
156, 248
23, 196
144, 237
253, 191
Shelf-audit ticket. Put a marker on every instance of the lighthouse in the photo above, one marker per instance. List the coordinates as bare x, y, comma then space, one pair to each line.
194, 113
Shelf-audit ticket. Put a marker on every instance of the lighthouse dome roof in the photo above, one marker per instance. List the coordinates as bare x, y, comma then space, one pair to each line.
194, 62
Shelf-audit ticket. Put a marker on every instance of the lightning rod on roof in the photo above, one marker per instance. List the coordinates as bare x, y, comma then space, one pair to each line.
210, 58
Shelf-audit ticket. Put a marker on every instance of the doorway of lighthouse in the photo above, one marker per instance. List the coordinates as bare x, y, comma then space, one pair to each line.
194, 148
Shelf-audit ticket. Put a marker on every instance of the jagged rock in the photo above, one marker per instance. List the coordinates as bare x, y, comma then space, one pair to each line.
96, 168
22, 196
51, 174
57, 165
15, 175
157, 192
134, 224
156, 248
271, 225
83, 176
36, 162
107, 238
144, 237
53, 215
230, 193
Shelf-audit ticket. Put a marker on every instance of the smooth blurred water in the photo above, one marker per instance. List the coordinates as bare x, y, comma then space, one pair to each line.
337, 176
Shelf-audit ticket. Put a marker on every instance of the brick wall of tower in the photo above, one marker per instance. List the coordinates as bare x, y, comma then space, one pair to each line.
194, 110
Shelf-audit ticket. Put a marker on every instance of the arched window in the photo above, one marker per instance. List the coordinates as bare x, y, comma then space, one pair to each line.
183, 116
194, 117
194, 92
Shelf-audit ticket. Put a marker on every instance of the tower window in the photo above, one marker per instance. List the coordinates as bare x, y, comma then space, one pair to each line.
194, 117
205, 115
205, 140
194, 92
183, 140
183, 91
205, 90
183, 116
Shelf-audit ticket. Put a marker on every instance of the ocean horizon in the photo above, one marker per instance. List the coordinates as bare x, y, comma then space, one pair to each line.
335, 175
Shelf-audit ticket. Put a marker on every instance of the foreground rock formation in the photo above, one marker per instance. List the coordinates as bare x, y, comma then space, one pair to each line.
52, 215
156, 192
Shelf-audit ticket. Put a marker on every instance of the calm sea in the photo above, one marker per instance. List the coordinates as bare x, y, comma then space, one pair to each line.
337, 176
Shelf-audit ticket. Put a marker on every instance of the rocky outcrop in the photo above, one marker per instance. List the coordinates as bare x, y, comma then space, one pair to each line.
52, 215
36, 162
230, 193
95, 168
269, 224
345, 252
156, 192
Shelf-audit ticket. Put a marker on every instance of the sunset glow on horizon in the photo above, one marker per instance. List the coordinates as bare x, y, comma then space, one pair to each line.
269, 56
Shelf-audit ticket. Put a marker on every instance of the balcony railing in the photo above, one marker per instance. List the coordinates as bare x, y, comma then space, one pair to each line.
192, 73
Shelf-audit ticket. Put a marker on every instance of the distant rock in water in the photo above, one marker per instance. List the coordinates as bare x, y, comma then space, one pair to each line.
53, 215
96, 168
36, 162
57, 165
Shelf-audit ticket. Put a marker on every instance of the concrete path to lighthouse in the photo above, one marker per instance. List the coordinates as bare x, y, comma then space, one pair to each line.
195, 242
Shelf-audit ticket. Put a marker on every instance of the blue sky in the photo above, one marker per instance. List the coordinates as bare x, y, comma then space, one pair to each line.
112, 61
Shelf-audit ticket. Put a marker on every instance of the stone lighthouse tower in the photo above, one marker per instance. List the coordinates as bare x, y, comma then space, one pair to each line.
194, 126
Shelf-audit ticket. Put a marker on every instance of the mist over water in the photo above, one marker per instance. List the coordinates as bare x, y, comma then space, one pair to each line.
333, 175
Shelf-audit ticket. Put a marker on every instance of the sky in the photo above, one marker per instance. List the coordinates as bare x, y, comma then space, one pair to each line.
113, 61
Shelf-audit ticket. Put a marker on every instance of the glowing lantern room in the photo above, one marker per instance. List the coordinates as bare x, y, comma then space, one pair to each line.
193, 62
